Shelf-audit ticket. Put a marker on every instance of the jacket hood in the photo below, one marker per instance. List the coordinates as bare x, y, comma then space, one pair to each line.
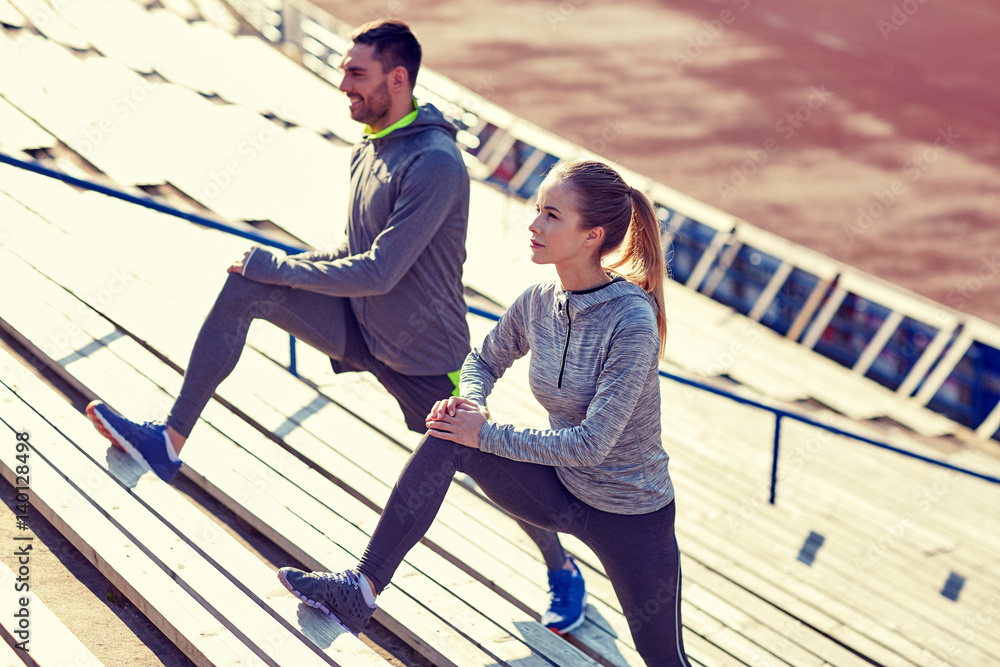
428, 118
617, 289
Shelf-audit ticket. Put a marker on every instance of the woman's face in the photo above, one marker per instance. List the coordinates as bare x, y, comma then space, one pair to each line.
556, 235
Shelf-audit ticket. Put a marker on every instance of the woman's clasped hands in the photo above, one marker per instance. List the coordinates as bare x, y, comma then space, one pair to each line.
457, 419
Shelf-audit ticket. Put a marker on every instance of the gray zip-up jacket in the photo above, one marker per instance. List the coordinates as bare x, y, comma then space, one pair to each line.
594, 368
401, 265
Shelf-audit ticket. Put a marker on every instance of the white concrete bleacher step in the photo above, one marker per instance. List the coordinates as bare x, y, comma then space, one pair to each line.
246, 578
18, 132
98, 107
244, 70
50, 23
9, 15
185, 9
470, 622
11, 657
870, 619
110, 27
497, 245
957, 506
141, 132
754, 504
24, 57
812, 457
163, 578
283, 88
218, 13
46, 640
868, 479
278, 175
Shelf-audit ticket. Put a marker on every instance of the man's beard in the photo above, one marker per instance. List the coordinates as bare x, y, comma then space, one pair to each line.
376, 107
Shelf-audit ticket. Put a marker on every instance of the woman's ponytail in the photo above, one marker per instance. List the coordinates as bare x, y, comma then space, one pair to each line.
641, 259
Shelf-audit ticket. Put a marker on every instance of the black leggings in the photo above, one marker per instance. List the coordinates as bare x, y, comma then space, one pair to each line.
639, 552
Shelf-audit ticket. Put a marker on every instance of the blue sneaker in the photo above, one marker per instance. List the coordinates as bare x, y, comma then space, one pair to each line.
569, 599
146, 443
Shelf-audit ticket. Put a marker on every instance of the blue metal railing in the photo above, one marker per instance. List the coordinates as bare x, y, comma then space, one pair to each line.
148, 202
151, 203
779, 413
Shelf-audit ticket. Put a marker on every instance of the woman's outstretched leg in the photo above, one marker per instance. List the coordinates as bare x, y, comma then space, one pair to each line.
528, 491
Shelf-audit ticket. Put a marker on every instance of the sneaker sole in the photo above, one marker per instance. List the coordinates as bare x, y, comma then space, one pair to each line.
316, 605
108, 431
577, 623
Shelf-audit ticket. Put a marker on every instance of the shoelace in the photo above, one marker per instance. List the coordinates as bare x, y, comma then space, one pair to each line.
150, 425
347, 578
559, 587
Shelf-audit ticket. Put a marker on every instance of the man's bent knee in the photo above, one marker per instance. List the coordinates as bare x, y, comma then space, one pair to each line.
240, 289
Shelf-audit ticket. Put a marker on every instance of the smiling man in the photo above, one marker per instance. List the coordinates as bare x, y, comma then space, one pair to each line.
389, 300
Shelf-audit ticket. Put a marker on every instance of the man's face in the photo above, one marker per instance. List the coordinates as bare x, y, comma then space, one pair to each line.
365, 85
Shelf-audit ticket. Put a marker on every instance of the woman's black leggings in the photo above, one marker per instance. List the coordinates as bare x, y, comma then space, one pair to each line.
639, 552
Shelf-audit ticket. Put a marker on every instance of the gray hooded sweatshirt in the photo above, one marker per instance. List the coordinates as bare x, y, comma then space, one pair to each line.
594, 368
401, 265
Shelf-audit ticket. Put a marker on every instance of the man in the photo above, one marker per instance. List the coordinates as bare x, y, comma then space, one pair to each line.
389, 300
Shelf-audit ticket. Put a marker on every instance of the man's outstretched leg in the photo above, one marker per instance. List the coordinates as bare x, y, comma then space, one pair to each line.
316, 319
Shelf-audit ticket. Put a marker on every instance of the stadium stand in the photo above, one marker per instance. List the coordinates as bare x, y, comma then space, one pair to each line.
63, 648
868, 557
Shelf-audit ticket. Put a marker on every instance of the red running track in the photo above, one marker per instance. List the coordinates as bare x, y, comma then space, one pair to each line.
865, 130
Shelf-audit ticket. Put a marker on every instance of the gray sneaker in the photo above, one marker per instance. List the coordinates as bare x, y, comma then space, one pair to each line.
338, 595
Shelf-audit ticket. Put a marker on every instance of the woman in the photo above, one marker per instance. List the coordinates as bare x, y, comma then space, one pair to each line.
600, 472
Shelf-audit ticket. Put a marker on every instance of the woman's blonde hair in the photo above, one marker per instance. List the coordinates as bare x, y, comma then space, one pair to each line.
603, 199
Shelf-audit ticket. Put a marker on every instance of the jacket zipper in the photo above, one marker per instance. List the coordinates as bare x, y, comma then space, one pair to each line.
569, 328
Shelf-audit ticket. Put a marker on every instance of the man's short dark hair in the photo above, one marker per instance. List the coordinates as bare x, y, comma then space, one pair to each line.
395, 46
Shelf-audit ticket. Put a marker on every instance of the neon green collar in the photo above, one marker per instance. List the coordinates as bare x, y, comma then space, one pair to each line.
402, 122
